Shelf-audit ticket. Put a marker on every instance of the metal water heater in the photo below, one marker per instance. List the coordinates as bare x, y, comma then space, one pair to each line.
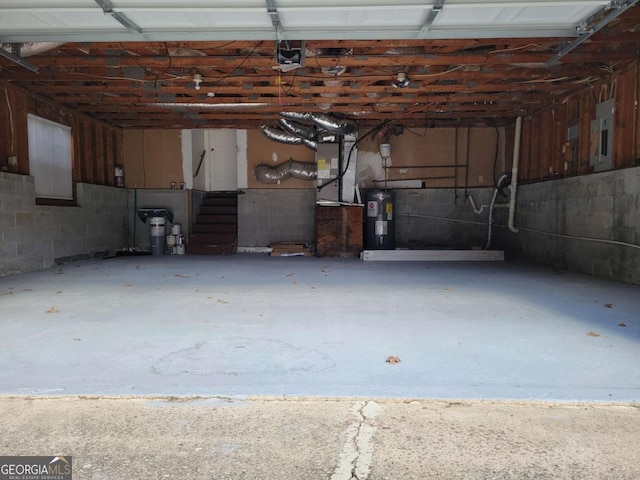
379, 225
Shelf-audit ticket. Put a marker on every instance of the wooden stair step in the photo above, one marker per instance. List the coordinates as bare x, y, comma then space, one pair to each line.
226, 219
214, 228
212, 238
219, 202
219, 210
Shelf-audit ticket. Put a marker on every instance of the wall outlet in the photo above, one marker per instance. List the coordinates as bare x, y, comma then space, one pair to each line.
12, 160
480, 179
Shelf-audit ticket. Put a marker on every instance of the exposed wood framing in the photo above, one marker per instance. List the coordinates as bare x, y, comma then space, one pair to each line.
97, 145
458, 82
545, 143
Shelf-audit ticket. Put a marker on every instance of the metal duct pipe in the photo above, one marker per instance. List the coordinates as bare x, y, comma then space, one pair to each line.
341, 126
298, 129
36, 48
28, 49
264, 173
283, 137
300, 116
330, 123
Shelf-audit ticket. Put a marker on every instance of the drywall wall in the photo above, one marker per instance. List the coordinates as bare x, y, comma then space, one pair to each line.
434, 158
261, 149
152, 158
603, 206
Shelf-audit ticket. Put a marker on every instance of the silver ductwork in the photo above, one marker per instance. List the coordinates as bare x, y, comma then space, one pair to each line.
284, 137
341, 126
29, 49
300, 116
297, 129
294, 133
330, 123
264, 173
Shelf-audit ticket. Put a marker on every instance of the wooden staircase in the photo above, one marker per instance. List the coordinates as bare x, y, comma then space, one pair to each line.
215, 230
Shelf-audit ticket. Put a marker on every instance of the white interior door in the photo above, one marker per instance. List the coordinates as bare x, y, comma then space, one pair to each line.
221, 158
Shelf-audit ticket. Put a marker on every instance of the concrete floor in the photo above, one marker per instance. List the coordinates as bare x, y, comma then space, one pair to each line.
294, 326
324, 439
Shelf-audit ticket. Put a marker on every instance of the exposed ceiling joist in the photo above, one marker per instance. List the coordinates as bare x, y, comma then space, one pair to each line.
586, 31
468, 80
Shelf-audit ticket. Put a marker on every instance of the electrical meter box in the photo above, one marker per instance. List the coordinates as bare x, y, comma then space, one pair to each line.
602, 137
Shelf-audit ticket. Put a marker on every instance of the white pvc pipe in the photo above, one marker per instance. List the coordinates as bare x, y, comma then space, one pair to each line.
514, 176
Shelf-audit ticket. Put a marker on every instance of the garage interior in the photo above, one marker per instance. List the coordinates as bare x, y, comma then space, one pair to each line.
303, 239
368, 200
495, 130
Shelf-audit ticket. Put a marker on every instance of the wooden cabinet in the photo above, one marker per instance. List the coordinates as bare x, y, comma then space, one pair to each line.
339, 231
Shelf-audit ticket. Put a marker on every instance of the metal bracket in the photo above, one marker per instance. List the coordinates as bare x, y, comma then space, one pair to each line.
107, 9
585, 32
435, 10
14, 56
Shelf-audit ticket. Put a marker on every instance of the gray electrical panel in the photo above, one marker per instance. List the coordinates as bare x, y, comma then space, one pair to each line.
602, 137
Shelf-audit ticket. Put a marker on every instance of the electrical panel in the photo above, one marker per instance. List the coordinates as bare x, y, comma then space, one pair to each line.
602, 137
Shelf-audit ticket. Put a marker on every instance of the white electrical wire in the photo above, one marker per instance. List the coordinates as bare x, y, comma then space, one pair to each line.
443, 218
574, 237
6, 95
532, 230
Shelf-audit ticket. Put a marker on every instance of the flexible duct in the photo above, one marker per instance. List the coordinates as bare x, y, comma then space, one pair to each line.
300, 116
32, 48
342, 126
298, 129
283, 137
264, 173
330, 123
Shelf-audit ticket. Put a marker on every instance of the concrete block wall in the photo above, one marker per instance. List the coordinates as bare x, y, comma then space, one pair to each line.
269, 215
415, 230
33, 236
599, 206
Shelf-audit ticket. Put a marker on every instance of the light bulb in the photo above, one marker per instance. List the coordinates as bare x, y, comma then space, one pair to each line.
197, 79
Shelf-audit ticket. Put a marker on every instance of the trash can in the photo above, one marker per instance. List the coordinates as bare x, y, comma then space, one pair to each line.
157, 235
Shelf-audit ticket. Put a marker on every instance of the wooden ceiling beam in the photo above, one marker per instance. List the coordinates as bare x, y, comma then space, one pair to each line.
235, 62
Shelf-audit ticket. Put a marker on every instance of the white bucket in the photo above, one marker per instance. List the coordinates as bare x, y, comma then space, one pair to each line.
180, 249
175, 229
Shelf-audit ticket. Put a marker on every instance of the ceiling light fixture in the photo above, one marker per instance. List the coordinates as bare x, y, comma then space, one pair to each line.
205, 106
197, 79
401, 81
